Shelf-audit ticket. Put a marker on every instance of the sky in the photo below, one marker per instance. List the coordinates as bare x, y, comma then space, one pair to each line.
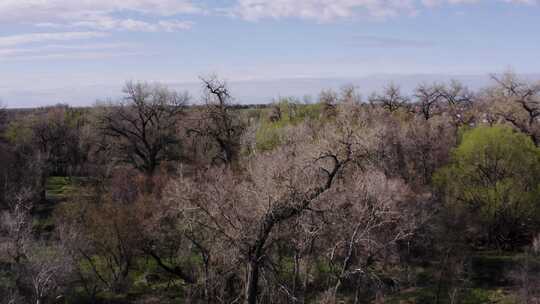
80, 51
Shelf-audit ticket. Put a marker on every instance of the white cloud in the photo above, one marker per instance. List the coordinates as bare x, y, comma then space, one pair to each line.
329, 10
322, 10
43, 10
162, 15
106, 23
100, 14
174, 25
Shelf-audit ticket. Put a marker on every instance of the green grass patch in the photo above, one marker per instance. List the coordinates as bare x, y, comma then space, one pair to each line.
270, 133
61, 187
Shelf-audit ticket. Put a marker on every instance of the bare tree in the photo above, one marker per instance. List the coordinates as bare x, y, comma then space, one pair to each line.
428, 99
376, 206
459, 101
427, 145
105, 240
48, 141
391, 98
39, 269
525, 115
2, 114
283, 209
144, 125
218, 120
48, 269
17, 236
245, 213
329, 100
456, 94
275, 114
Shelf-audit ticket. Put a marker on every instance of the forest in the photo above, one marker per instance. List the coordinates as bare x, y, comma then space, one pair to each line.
431, 196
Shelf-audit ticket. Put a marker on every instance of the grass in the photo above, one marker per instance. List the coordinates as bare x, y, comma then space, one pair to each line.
145, 280
58, 189
487, 282
61, 187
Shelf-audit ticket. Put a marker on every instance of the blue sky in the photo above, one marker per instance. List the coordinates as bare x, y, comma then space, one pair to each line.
77, 51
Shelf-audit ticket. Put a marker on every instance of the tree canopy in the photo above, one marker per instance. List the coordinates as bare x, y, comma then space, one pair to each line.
494, 174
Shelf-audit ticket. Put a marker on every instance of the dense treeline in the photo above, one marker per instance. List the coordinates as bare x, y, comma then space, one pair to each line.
431, 197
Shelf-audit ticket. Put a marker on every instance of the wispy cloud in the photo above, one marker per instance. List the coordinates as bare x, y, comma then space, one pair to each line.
70, 55
326, 11
388, 42
150, 15
320, 10
169, 15
45, 10
30, 46
432, 3
106, 23
14, 40
528, 2
52, 48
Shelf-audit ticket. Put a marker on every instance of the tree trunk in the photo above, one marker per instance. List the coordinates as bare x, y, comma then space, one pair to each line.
43, 186
207, 296
296, 276
252, 282
347, 261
